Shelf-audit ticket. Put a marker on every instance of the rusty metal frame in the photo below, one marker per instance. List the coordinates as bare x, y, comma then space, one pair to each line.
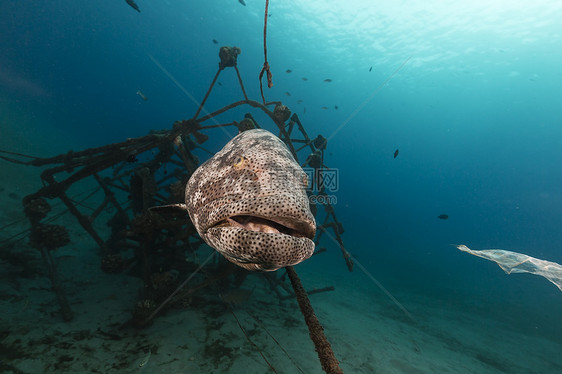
110, 165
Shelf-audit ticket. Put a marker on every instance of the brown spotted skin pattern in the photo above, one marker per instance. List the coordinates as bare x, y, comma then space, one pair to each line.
254, 176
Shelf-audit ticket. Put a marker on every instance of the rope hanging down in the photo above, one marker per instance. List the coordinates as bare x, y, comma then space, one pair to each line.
265, 64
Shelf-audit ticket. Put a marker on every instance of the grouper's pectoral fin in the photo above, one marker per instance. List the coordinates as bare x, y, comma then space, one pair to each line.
170, 211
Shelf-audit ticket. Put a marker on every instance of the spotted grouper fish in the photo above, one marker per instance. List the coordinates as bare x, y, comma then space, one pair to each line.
249, 203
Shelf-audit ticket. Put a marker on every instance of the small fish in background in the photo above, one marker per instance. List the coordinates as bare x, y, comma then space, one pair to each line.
215, 41
324, 107
371, 68
288, 93
396, 153
142, 96
443, 216
304, 78
133, 5
327, 80
288, 71
242, 2
145, 360
299, 101
219, 83
335, 107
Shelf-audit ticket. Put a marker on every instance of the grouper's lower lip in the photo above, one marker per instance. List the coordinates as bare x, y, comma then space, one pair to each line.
259, 250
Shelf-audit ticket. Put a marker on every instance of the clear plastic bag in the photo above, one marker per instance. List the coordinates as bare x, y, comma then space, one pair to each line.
513, 262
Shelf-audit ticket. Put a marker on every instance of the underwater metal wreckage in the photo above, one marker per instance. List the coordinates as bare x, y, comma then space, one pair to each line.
128, 171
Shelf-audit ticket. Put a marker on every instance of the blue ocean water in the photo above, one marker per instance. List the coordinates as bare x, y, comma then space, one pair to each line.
470, 95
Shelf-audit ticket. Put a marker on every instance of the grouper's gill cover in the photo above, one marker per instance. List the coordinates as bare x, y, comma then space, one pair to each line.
249, 203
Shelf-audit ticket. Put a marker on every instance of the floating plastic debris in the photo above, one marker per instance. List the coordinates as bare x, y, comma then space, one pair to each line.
513, 262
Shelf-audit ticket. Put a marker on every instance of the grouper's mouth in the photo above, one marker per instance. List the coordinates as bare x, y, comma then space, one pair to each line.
262, 243
277, 225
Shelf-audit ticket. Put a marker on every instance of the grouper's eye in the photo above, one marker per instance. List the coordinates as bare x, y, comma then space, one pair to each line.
305, 181
240, 162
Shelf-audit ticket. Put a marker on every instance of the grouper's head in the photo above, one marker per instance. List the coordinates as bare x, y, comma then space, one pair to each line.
249, 203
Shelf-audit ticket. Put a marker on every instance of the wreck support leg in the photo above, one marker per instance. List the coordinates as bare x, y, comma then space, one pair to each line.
67, 314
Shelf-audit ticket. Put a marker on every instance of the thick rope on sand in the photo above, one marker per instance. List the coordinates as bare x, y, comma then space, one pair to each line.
328, 360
